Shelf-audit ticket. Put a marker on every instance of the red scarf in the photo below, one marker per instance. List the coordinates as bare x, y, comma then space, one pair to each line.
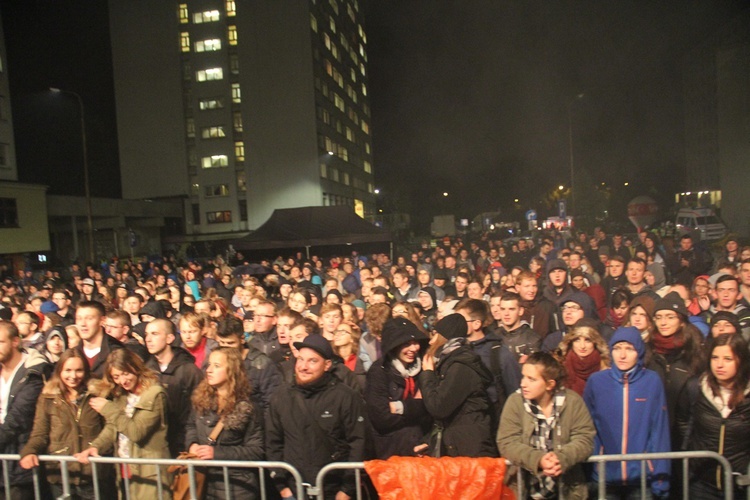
351, 362
580, 369
665, 345
410, 389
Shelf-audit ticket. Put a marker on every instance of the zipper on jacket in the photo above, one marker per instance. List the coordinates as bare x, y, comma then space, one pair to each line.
625, 410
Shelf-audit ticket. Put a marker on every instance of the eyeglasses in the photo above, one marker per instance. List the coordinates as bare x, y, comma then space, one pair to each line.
571, 308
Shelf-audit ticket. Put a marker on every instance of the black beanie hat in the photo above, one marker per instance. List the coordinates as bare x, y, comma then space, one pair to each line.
452, 326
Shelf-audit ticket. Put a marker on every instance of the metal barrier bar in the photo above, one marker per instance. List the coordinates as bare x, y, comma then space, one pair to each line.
160, 462
318, 490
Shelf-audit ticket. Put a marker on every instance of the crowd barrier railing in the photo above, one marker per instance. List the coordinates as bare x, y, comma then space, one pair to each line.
599, 460
318, 490
191, 466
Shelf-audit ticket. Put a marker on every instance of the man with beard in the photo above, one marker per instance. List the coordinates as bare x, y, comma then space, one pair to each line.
315, 421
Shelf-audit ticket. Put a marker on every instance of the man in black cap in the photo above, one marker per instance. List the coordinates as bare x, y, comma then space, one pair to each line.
724, 322
315, 421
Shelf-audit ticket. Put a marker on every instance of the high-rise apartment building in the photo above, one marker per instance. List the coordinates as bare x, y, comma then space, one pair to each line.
242, 107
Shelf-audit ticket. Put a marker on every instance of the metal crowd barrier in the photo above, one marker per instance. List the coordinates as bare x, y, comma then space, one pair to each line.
191, 464
599, 460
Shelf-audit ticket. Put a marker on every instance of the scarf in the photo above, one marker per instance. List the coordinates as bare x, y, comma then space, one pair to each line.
665, 345
542, 486
614, 320
580, 369
408, 372
449, 347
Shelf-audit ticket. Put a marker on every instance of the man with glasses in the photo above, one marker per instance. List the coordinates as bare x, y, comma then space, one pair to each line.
61, 298
265, 338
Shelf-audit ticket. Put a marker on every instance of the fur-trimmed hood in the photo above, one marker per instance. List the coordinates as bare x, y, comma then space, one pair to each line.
240, 416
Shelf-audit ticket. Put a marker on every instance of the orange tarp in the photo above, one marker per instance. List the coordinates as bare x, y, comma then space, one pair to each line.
426, 478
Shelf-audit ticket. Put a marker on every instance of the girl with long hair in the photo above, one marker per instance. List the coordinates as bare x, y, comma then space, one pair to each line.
64, 423
224, 425
546, 429
582, 352
346, 345
136, 426
718, 416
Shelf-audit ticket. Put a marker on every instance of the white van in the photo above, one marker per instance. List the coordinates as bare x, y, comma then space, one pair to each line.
700, 223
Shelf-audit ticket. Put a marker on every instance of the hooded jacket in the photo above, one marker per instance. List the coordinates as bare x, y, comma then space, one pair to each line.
313, 425
179, 379
24, 390
455, 395
629, 410
61, 428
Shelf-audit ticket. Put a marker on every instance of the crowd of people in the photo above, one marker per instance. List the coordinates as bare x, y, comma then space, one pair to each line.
542, 351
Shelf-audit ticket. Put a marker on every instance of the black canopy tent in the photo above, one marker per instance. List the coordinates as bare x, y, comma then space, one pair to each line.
312, 227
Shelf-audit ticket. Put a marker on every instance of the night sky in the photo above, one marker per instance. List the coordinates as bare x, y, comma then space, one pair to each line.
467, 97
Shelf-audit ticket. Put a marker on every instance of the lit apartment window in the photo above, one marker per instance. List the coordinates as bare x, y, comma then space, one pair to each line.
346, 179
326, 117
8, 212
350, 11
232, 35
209, 45
237, 121
206, 75
329, 67
215, 161
327, 41
365, 127
185, 41
335, 51
364, 89
338, 101
367, 148
218, 217
215, 103
353, 75
183, 12
339, 127
324, 89
366, 109
368, 167
241, 181
190, 127
344, 41
239, 150
370, 188
343, 153
334, 5
234, 64
332, 24
236, 94
362, 34
213, 132
329, 146
323, 170
313, 22
231, 8
334, 174
362, 68
207, 16
356, 5
339, 79
216, 191
349, 134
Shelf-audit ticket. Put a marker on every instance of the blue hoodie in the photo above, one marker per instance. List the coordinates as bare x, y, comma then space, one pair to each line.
629, 410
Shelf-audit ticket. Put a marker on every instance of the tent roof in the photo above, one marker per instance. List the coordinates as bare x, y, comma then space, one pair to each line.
312, 226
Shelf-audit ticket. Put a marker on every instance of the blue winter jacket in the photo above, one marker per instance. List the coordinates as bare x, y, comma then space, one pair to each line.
629, 410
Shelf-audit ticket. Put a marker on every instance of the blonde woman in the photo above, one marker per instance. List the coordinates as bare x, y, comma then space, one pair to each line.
582, 352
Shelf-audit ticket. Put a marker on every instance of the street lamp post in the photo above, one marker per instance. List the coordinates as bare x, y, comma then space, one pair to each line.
87, 188
570, 150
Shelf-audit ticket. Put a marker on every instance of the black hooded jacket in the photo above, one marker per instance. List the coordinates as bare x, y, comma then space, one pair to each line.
179, 379
455, 394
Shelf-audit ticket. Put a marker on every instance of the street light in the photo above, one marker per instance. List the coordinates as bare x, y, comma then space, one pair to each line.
87, 189
570, 148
